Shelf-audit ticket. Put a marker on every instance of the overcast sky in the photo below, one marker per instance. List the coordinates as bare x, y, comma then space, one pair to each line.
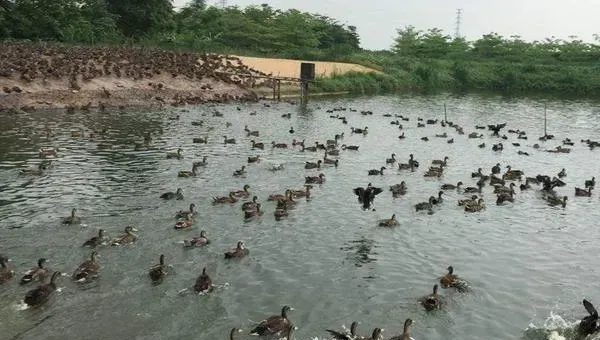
377, 20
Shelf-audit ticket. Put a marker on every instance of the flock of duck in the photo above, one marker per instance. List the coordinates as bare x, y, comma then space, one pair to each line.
501, 180
79, 64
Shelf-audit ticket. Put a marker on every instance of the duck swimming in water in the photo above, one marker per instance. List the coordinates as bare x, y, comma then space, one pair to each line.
273, 325
199, 241
238, 252
203, 282
96, 240
41, 294
366, 196
374, 172
225, 199
127, 238
186, 214
389, 222
448, 280
589, 324
345, 335
242, 193
433, 300
159, 271
405, 333
173, 195
6, 273
35, 274
73, 219
87, 270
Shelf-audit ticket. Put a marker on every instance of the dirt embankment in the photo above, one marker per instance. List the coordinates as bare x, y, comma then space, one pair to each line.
36, 76
291, 68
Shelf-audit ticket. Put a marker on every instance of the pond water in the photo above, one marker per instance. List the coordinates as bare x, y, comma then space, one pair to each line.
528, 265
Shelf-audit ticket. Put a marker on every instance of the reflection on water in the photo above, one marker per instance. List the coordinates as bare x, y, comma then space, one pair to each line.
522, 260
360, 252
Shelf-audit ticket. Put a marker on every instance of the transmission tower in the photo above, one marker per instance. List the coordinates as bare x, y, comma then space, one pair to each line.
223, 3
458, 22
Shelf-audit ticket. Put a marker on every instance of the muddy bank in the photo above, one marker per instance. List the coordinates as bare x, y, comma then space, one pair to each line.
42, 76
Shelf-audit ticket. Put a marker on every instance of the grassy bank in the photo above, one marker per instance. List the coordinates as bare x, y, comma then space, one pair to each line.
468, 75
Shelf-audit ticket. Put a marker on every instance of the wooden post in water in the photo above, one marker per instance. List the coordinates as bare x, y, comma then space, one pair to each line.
274, 89
278, 90
545, 119
445, 114
304, 92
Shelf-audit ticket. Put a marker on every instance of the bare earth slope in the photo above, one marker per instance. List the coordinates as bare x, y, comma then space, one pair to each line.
291, 68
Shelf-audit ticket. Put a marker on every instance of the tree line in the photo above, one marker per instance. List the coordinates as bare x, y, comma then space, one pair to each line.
254, 29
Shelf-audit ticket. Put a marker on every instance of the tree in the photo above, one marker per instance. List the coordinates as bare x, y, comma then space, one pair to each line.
408, 41
139, 18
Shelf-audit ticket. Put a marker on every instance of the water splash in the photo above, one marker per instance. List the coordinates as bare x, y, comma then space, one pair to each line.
554, 328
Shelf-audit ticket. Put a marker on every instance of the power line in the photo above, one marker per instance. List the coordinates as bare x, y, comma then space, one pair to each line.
458, 23
223, 3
